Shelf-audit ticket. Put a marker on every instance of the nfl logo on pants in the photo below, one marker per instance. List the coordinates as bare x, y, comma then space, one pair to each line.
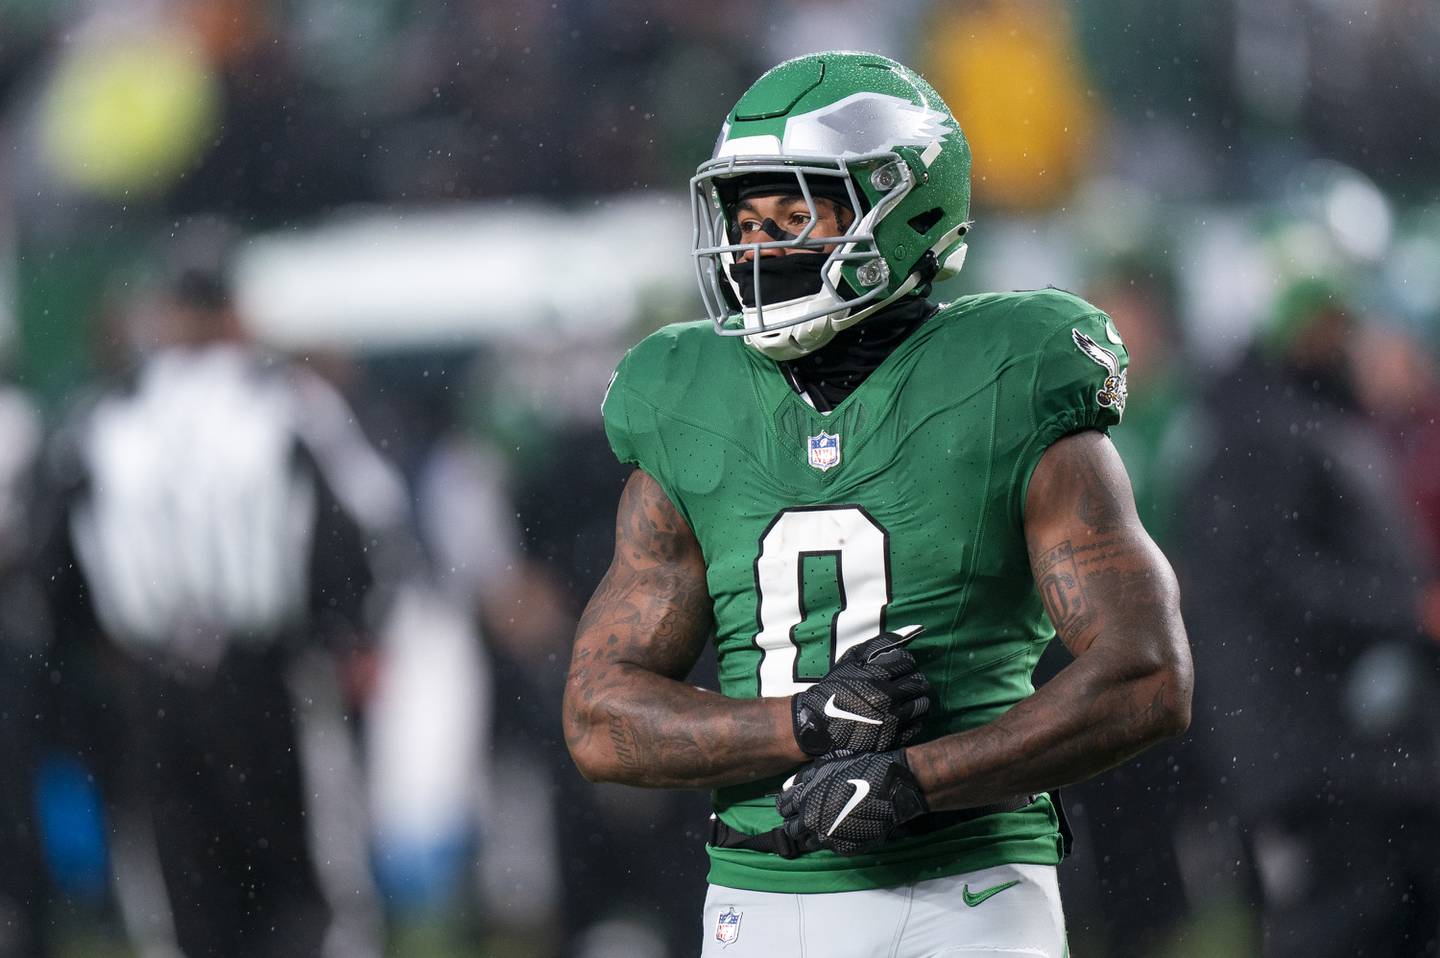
824, 451
727, 928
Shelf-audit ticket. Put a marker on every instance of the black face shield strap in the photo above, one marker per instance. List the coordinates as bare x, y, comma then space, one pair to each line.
781, 277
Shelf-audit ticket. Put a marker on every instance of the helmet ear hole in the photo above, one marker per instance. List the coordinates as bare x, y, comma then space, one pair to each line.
922, 223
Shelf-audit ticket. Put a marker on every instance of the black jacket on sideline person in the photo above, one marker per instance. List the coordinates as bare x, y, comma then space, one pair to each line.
1316, 693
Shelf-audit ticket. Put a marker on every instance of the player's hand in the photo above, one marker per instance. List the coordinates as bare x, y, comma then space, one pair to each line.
850, 805
870, 701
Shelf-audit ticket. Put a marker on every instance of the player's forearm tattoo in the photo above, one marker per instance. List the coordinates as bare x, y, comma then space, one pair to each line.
622, 739
628, 716
1058, 582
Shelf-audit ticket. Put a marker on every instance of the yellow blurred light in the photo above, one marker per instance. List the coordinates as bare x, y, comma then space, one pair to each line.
129, 117
1010, 71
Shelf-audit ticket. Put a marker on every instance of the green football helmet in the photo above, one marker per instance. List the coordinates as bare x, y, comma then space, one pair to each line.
857, 128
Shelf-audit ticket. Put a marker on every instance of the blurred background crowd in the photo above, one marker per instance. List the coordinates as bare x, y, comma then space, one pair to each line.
409, 240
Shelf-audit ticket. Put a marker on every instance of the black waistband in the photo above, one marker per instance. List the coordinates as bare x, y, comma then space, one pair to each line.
776, 842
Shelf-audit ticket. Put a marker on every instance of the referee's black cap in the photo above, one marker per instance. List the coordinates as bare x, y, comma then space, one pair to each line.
198, 263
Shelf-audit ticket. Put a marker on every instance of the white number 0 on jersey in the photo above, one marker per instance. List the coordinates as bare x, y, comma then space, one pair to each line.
862, 563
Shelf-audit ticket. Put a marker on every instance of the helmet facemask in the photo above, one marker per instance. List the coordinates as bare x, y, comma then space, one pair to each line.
785, 329
836, 124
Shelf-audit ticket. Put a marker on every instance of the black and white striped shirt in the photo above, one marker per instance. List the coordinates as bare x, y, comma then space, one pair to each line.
223, 496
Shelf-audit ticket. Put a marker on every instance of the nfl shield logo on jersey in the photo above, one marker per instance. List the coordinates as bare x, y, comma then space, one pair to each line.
727, 929
824, 451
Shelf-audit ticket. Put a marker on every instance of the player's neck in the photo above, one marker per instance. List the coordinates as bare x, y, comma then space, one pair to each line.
826, 376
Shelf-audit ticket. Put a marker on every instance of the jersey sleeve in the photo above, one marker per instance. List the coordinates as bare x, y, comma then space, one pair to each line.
633, 425
639, 404
1078, 382
615, 411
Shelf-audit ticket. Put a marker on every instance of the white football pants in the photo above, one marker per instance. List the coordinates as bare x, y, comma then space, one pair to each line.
963, 916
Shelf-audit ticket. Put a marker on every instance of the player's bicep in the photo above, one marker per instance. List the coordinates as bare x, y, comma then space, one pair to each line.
1096, 569
653, 607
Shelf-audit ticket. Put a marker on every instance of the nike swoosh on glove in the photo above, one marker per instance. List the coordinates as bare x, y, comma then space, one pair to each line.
871, 700
850, 805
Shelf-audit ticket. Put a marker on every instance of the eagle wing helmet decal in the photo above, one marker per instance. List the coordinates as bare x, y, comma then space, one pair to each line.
865, 122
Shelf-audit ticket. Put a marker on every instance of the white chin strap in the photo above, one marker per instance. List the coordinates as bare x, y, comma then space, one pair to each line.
795, 341
953, 263
800, 338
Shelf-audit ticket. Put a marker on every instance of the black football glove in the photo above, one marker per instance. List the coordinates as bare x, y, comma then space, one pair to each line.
870, 701
850, 805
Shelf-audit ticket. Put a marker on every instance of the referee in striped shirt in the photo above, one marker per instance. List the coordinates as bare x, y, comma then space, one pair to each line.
216, 522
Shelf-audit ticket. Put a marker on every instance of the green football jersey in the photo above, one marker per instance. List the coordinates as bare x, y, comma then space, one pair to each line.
902, 506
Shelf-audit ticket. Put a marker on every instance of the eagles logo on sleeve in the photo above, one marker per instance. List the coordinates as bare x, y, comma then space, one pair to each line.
1114, 391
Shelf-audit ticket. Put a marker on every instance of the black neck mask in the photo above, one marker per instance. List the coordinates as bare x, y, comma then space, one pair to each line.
836, 369
781, 277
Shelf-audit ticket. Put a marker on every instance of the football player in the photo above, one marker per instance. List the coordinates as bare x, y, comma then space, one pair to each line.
882, 509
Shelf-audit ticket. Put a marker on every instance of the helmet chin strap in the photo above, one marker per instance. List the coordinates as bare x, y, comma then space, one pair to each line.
953, 263
792, 342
